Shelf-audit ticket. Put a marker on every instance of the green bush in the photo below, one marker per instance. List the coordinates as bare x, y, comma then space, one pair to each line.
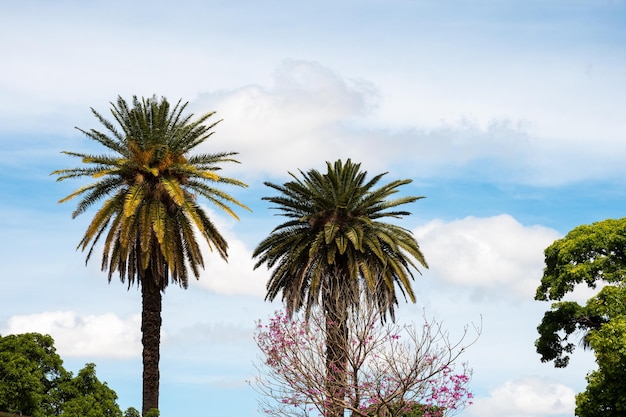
153, 412
132, 412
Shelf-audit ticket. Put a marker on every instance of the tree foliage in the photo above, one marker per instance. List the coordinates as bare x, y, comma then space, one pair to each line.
132, 412
336, 230
606, 387
30, 372
85, 396
592, 255
151, 183
149, 219
34, 382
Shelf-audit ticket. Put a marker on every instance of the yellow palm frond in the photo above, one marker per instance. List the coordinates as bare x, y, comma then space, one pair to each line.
134, 197
105, 172
77, 192
209, 175
174, 190
157, 214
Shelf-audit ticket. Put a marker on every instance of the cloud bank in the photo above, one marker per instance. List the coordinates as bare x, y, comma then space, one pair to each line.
492, 256
526, 397
75, 335
311, 114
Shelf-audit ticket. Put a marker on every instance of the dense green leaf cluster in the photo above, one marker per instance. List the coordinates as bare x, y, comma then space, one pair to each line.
588, 254
132, 412
33, 382
592, 255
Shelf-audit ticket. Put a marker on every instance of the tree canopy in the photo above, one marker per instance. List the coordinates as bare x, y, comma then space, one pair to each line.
338, 242
34, 382
594, 255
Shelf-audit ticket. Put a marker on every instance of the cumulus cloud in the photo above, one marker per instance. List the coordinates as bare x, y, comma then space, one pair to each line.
486, 254
526, 397
299, 122
237, 276
75, 335
312, 114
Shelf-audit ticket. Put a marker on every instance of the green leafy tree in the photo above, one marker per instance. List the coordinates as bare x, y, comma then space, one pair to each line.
589, 254
606, 387
33, 382
335, 248
85, 396
150, 218
132, 412
30, 372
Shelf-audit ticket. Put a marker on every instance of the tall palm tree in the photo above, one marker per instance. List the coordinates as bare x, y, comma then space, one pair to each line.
334, 249
150, 217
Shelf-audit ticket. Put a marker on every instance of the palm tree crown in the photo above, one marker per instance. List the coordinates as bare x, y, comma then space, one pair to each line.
335, 243
152, 184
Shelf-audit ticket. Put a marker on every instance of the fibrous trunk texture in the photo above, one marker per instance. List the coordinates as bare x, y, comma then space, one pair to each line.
151, 340
336, 357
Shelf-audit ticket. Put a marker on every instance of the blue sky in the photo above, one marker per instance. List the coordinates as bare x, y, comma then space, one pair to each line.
508, 116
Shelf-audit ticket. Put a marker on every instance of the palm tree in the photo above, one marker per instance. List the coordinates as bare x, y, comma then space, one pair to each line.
150, 218
335, 249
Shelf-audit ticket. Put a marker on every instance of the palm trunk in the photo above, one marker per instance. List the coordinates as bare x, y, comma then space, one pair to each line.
336, 359
151, 340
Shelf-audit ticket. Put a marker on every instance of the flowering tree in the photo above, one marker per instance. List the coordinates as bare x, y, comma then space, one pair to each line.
393, 370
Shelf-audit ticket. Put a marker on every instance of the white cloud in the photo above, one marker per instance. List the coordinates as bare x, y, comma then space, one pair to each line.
299, 122
526, 397
225, 333
312, 114
235, 277
494, 254
104, 335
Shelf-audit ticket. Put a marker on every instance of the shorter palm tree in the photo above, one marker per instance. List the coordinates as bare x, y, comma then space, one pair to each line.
335, 248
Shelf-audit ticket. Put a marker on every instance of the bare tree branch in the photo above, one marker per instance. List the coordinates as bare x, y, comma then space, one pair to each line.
391, 368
